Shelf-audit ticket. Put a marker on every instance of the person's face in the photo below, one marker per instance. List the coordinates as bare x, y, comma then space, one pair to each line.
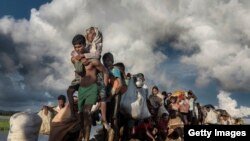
208, 109
154, 91
91, 35
164, 96
225, 117
109, 61
172, 100
139, 82
79, 48
61, 103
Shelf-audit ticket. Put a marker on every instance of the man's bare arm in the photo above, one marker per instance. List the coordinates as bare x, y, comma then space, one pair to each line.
76, 57
73, 60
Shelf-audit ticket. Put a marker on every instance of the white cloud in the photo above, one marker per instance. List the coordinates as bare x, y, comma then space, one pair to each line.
222, 36
231, 105
130, 37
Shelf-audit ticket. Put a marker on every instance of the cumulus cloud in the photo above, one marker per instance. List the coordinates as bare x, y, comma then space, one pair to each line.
222, 36
211, 40
231, 105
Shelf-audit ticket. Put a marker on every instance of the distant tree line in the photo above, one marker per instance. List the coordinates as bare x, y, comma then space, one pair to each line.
7, 113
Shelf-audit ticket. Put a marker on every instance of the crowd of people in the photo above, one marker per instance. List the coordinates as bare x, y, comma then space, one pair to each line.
98, 79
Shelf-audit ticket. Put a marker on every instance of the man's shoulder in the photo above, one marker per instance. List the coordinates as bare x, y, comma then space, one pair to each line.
56, 108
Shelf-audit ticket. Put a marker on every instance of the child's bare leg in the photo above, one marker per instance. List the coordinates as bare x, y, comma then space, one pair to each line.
104, 116
103, 98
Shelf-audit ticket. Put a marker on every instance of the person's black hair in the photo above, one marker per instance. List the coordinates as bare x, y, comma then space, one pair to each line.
91, 28
120, 65
141, 75
169, 93
106, 55
164, 93
61, 97
78, 39
155, 87
128, 74
190, 92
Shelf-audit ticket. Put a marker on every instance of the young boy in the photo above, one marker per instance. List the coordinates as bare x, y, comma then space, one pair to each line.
79, 43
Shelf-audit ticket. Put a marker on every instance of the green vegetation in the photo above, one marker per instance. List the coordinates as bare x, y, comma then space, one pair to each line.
4, 125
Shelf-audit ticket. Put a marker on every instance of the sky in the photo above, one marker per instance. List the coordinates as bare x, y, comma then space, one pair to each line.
195, 45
